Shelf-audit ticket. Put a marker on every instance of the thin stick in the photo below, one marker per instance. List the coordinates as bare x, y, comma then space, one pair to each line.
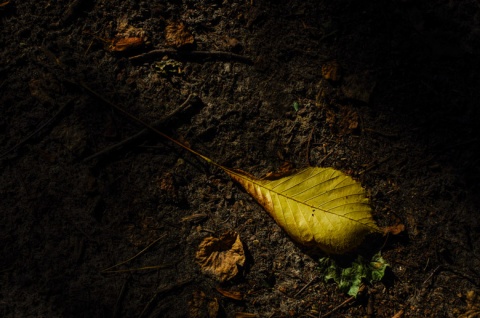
324, 158
141, 133
129, 270
221, 55
150, 127
136, 255
305, 287
339, 306
26, 139
121, 296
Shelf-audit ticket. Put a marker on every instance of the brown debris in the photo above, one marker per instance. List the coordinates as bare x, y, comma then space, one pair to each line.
220, 257
332, 71
178, 36
236, 295
126, 44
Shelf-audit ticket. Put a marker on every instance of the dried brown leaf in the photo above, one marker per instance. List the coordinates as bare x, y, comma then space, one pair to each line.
178, 36
220, 257
126, 44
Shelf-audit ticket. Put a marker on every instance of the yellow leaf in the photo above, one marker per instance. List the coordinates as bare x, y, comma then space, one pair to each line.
319, 207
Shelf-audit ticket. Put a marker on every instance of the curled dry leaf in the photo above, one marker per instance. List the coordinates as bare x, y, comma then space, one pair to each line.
178, 36
220, 257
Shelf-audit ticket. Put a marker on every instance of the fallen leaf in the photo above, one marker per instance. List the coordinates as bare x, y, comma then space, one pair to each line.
220, 257
319, 207
178, 36
127, 37
230, 294
126, 44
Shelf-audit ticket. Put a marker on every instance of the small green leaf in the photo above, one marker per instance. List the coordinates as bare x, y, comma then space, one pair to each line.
296, 106
349, 275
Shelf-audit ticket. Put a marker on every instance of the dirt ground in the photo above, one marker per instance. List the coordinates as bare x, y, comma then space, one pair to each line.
385, 91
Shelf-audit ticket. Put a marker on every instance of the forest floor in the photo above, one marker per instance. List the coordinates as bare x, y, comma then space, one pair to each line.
386, 92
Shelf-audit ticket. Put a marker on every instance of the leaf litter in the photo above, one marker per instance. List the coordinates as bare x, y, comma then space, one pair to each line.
320, 207
220, 257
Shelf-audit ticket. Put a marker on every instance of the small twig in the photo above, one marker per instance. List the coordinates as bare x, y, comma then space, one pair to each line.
26, 139
161, 290
121, 296
339, 306
142, 133
144, 268
135, 256
324, 158
219, 55
305, 287
432, 273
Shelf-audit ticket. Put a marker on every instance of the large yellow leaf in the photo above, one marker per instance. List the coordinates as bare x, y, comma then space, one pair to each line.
320, 207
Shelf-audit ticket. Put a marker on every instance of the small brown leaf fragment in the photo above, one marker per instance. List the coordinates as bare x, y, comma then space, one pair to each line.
4, 4
393, 229
178, 36
331, 71
220, 257
230, 294
126, 44
166, 183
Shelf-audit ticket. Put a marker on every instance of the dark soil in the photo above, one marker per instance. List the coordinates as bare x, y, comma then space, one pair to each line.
395, 107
